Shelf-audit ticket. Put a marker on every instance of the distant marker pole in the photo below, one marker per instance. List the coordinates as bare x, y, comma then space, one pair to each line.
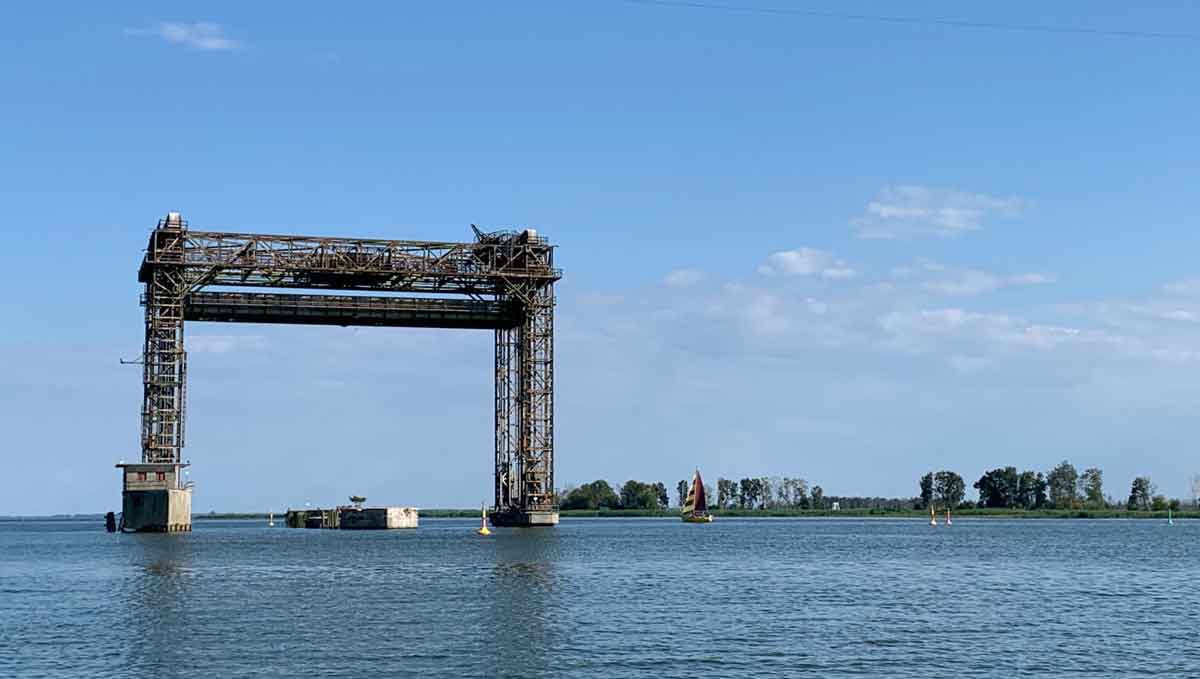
483, 529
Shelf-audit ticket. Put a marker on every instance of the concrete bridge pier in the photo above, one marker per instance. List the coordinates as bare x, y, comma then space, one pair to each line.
517, 518
154, 498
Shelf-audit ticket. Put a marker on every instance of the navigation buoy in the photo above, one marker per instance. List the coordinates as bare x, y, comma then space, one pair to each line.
483, 529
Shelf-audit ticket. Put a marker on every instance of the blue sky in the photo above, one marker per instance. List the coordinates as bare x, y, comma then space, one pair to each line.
846, 250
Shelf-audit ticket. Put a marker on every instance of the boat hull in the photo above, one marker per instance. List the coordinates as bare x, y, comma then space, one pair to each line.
698, 518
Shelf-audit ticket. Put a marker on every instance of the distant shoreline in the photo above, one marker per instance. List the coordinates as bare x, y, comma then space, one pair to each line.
797, 513
731, 513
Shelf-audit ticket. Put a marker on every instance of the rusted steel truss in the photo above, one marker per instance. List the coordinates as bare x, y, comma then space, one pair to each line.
502, 281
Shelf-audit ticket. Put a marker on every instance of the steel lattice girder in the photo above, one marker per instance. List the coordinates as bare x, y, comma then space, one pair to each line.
503, 264
408, 312
508, 278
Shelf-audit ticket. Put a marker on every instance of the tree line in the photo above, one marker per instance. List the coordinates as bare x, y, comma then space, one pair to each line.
763, 492
600, 495
1063, 487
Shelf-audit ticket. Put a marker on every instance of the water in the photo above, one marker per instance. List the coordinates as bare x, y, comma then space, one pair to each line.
605, 598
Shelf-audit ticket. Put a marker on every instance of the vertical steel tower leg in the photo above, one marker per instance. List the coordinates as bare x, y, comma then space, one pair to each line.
507, 420
154, 496
164, 360
525, 417
537, 403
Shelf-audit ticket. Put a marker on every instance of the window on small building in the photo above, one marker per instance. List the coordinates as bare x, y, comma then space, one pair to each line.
141, 476
161, 476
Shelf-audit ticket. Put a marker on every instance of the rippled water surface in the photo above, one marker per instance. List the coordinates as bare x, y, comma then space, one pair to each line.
605, 598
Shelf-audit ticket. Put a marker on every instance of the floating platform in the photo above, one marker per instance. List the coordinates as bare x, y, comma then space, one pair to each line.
353, 518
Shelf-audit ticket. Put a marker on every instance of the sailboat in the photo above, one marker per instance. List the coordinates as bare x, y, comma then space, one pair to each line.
695, 509
1170, 518
932, 517
947, 516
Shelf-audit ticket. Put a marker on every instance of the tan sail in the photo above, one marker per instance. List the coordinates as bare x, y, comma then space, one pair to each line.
689, 505
695, 507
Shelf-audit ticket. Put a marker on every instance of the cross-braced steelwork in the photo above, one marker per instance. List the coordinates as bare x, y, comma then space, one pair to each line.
164, 363
502, 281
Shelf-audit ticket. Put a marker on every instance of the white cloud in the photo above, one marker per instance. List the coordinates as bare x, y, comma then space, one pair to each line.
1032, 279
974, 281
806, 262
1180, 315
1189, 286
201, 35
910, 211
683, 278
984, 335
968, 282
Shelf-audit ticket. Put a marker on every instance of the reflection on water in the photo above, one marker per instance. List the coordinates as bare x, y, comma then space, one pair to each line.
156, 600
604, 598
526, 617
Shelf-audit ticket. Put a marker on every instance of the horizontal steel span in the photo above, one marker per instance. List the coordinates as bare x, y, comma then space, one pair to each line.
495, 264
400, 312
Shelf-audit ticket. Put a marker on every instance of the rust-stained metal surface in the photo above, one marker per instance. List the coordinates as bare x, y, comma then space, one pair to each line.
502, 281
252, 307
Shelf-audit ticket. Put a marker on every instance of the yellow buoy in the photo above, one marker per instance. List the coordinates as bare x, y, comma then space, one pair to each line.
483, 529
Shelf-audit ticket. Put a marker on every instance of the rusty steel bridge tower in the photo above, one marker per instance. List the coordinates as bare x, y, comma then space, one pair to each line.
502, 281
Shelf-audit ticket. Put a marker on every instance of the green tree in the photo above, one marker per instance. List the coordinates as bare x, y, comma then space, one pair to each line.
726, 493
750, 493
800, 495
999, 488
792, 492
681, 490
949, 489
818, 498
1159, 503
765, 491
1031, 490
638, 495
927, 490
660, 494
1140, 492
1092, 485
783, 491
594, 495
1062, 482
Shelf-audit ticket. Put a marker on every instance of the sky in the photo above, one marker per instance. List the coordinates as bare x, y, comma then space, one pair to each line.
835, 248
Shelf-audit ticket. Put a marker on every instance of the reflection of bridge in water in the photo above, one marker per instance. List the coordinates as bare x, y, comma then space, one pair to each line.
502, 281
